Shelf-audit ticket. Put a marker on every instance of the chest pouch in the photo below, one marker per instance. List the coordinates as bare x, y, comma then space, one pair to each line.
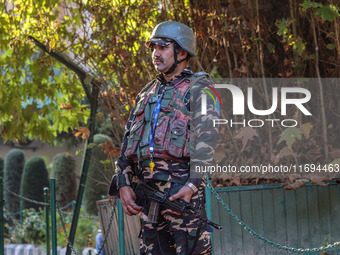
178, 127
168, 100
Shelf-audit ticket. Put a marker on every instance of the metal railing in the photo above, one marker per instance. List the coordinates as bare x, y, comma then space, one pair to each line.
51, 207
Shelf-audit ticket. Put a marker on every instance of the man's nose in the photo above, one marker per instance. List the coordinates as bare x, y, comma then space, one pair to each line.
156, 53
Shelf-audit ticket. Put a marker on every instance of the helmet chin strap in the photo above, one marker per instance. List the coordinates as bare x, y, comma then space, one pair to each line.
175, 64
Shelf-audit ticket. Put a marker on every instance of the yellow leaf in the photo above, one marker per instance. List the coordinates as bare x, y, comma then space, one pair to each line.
100, 116
306, 128
52, 44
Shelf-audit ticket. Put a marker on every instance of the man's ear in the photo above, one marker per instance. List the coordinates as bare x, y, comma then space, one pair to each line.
182, 54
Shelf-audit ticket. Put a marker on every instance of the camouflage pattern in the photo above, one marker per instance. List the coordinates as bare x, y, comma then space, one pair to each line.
203, 138
201, 150
172, 134
175, 234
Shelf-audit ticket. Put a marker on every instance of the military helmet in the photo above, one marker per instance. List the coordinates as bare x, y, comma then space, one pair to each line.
180, 33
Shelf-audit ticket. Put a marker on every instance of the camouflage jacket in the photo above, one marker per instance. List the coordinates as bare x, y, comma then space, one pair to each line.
203, 138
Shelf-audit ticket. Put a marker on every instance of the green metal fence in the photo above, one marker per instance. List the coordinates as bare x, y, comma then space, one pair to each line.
263, 219
305, 218
308, 217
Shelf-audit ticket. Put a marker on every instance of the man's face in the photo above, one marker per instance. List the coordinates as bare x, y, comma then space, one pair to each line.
163, 57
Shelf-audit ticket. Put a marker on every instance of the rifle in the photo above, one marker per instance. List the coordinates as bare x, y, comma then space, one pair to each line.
146, 193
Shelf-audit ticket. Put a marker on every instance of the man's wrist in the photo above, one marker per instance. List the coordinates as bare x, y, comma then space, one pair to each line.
123, 180
192, 186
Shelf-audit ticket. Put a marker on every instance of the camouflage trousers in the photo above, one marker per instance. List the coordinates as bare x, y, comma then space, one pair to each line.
176, 234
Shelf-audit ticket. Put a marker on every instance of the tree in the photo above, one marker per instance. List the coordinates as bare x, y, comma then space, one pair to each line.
234, 38
237, 38
44, 96
14, 165
34, 180
99, 173
63, 169
39, 96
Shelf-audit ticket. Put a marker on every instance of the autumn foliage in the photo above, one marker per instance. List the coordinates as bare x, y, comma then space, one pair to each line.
235, 39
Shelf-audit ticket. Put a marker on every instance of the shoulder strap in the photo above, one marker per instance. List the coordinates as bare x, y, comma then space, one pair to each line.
201, 74
148, 86
198, 76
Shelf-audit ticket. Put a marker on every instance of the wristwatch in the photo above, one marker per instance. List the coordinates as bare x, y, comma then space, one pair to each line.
192, 186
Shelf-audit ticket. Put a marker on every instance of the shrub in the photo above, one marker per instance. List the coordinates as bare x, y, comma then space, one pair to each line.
63, 169
34, 179
34, 226
13, 231
86, 229
31, 230
99, 173
14, 165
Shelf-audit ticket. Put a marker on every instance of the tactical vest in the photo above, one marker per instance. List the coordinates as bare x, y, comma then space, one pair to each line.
172, 132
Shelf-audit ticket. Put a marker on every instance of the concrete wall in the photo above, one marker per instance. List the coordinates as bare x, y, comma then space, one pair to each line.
29, 249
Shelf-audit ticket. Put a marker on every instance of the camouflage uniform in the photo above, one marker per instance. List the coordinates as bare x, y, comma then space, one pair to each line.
176, 234
172, 234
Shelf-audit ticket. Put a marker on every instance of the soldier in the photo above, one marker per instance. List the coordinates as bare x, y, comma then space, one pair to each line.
157, 146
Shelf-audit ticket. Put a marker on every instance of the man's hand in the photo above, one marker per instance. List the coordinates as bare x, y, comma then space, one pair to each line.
128, 198
184, 193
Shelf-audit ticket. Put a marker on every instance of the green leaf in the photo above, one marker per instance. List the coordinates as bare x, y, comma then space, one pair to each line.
282, 26
271, 47
335, 10
326, 13
299, 46
105, 162
79, 151
308, 4
214, 72
331, 46
290, 135
91, 146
